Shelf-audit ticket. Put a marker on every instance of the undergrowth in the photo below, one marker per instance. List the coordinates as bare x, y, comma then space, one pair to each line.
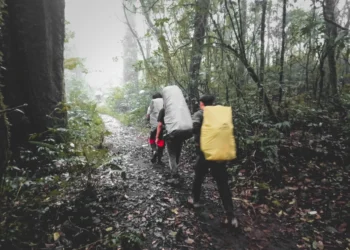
52, 184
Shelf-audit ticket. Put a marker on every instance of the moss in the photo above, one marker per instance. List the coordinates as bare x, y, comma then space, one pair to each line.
4, 125
5, 136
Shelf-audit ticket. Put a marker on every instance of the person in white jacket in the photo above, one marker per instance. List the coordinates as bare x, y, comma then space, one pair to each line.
157, 146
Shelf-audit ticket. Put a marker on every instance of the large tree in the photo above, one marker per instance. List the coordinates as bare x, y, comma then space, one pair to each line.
33, 48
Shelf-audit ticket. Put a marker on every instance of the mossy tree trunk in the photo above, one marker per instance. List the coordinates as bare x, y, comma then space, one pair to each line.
33, 57
4, 139
4, 128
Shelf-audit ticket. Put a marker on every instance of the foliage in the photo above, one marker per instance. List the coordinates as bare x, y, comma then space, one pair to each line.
53, 164
128, 104
73, 63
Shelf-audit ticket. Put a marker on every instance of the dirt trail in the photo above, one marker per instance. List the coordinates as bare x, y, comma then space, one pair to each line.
154, 206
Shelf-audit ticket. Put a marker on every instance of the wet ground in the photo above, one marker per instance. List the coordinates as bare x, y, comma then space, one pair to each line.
151, 204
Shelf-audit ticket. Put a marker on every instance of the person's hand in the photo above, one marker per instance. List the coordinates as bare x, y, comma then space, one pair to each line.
157, 141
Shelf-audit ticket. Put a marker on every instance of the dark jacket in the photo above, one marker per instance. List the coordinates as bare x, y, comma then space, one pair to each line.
197, 124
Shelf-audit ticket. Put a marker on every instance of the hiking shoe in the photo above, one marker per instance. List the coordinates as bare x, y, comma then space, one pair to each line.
159, 161
231, 222
154, 158
234, 222
193, 203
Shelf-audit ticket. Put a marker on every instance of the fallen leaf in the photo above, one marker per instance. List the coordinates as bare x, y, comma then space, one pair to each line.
247, 229
159, 235
188, 232
320, 245
109, 229
330, 229
342, 227
189, 241
306, 239
175, 211
56, 236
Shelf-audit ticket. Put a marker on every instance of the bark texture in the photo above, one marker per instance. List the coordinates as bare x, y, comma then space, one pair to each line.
282, 51
4, 139
4, 128
331, 31
200, 24
33, 57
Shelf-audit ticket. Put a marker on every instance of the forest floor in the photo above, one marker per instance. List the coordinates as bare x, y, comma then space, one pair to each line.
140, 207
155, 206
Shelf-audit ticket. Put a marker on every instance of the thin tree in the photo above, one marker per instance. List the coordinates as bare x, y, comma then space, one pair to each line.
262, 49
200, 24
130, 75
134, 33
282, 51
331, 32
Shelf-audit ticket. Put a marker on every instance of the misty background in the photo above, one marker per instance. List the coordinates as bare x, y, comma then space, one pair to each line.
100, 27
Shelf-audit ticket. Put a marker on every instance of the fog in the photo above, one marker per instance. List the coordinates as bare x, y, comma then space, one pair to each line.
99, 30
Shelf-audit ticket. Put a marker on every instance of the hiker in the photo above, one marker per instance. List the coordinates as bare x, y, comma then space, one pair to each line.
176, 118
157, 146
217, 168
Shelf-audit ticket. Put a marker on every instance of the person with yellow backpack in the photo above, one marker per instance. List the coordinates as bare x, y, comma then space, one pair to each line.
215, 145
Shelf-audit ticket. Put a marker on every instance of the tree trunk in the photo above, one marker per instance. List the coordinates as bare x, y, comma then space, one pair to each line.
4, 141
322, 73
4, 128
148, 46
262, 49
134, 33
282, 51
130, 75
33, 57
162, 42
241, 68
331, 32
200, 24
268, 53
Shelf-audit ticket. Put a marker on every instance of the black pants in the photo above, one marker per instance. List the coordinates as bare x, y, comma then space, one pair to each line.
174, 147
157, 150
219, 173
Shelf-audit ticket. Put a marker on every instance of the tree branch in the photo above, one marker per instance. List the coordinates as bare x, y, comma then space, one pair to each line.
335, 24
13, 109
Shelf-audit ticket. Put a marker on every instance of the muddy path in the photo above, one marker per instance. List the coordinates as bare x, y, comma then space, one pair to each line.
150, 204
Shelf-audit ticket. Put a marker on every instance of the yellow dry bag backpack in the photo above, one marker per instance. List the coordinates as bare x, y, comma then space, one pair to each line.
217, 140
